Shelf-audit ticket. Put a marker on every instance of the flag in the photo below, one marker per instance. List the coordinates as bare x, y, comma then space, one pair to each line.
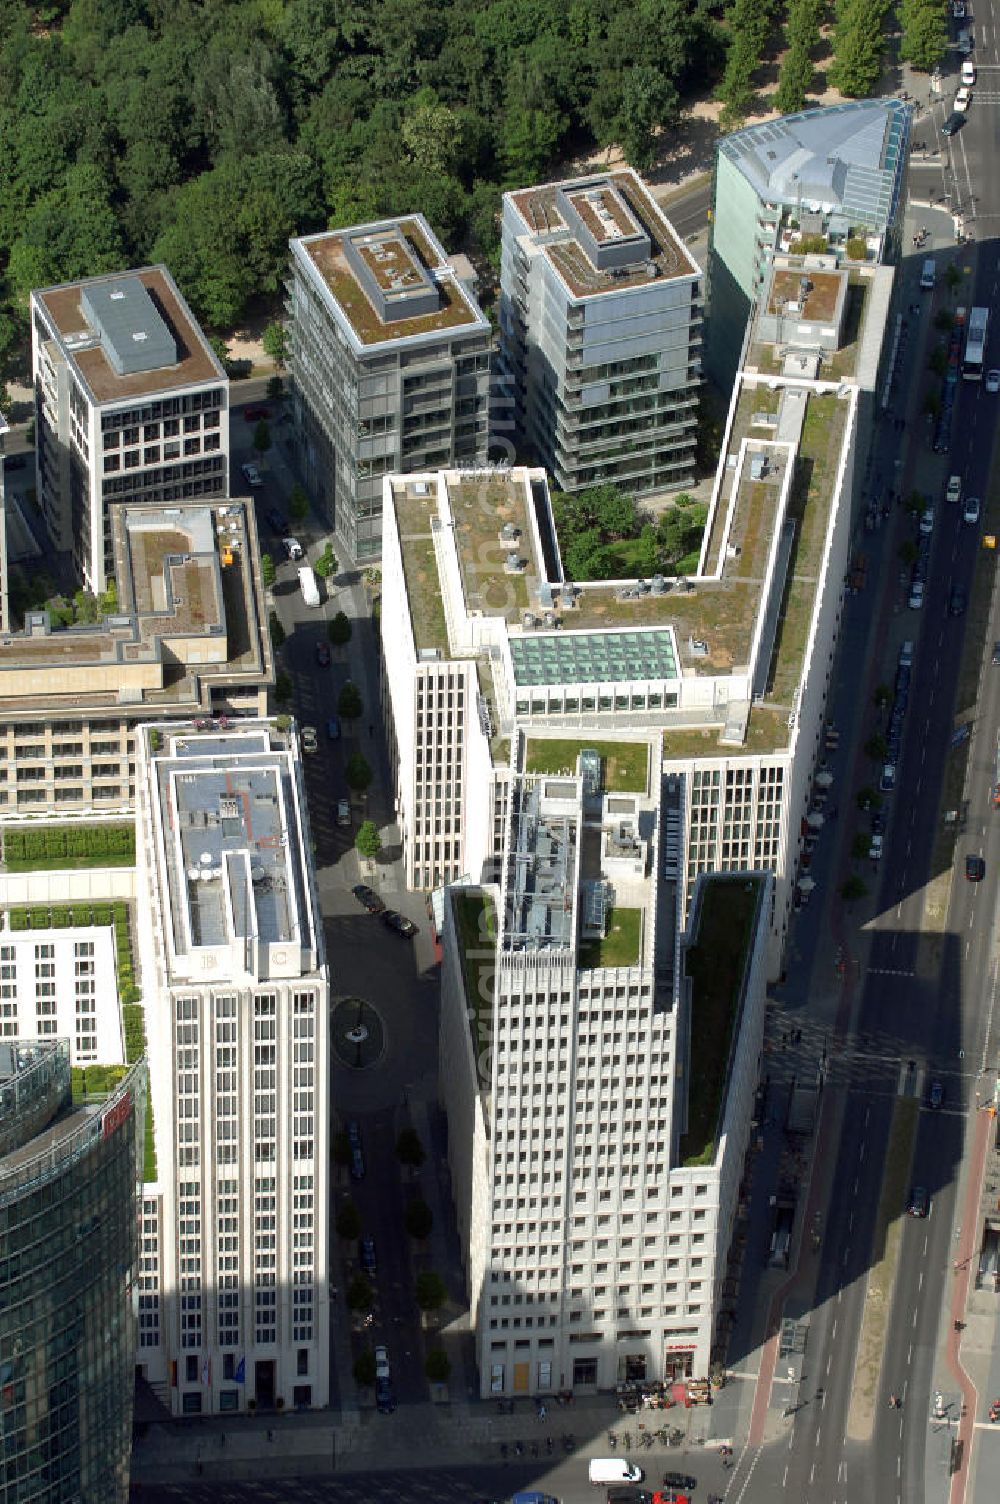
241, 1371
206, 1371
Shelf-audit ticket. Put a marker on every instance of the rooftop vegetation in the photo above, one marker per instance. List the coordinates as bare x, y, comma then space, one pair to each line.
624, 765
620, 945
716, 964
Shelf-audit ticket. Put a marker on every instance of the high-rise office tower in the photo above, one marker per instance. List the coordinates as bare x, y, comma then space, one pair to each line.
131, 405
390, 363
234, 1296
600, 330
69, 1177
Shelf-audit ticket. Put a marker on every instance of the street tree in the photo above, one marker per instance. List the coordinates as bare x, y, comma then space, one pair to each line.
339, 630
360, 1295
358, 776
298, 504
275, 343
860, 846
431, 1291
349, 702
348, 1222
409, 1150
853, 889
268, 573
418, 1219
368, 841
437, 1366
276, 629
261, 439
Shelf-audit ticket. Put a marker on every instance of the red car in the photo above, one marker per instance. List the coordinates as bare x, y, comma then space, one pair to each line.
256, 414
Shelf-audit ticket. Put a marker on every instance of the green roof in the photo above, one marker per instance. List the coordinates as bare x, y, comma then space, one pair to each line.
593, 657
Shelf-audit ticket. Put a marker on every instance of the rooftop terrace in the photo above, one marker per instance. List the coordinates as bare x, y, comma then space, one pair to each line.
191, 358
186, 578
390, 282
603, 234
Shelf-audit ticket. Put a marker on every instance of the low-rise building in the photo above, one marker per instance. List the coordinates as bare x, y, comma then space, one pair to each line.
600, 329
234, 1298
62, 983
189, 638
389, 355
131, 405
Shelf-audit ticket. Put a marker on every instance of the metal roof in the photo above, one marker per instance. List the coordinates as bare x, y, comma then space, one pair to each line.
133, 335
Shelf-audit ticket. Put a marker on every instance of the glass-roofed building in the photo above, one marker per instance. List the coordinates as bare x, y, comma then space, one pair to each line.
831, 175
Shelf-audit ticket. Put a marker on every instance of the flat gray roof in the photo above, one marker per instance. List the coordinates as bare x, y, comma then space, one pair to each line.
133, 335
232, 840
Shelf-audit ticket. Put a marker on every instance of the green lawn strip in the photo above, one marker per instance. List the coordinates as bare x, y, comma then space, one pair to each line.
716, 964
882, 1273
476, 922
620, 945
61, 846
625, 765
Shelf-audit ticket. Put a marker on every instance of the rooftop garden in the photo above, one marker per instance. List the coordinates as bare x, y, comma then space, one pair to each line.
604, 536
624, 765
620, 944
476, 924
716, 965
58, 846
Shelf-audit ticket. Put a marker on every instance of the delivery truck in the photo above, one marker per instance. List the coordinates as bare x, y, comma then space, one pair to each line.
308, 585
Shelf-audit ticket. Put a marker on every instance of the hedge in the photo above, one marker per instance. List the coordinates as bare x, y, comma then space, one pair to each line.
69, 845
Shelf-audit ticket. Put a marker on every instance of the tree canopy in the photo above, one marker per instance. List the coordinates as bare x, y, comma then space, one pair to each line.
205, 135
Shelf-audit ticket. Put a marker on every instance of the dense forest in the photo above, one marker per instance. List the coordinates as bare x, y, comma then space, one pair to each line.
204, 132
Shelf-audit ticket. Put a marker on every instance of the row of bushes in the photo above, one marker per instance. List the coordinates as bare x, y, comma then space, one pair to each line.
65, 916
63, 841
95, 1080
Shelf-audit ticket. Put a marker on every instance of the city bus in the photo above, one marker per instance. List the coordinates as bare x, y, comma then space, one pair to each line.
975, 344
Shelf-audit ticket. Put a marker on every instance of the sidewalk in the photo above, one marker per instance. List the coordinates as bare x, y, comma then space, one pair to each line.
428, 1435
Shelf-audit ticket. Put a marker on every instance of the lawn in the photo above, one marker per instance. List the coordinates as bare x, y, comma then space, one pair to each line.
716, 964
476, 923
620, 945
624, 765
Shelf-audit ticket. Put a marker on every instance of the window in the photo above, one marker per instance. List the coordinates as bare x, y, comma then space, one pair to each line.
302, 1361
191, 1368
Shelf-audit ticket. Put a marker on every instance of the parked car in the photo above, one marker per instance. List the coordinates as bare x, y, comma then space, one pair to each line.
927, 521
683, 1481
968, 73
953, 490
916, 597
343, 812
333, 727
357, 1163
308, 737
887, 781
251, 475
956, 601
975, 869
382, 1370
368, 1254
962, 100
368, 898
971, 510
996, 654
919, 1201
875, 848
256, 414
399, 923
277, 521
292, 547
354, 1133
323, 654
878, 822
936, 1094
953, 124
993, 381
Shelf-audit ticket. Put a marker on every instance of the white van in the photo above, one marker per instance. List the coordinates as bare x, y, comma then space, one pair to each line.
604, 1470
308, 585
929, 273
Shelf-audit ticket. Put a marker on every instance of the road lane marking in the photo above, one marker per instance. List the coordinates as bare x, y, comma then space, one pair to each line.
834, 1332
784, 1480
